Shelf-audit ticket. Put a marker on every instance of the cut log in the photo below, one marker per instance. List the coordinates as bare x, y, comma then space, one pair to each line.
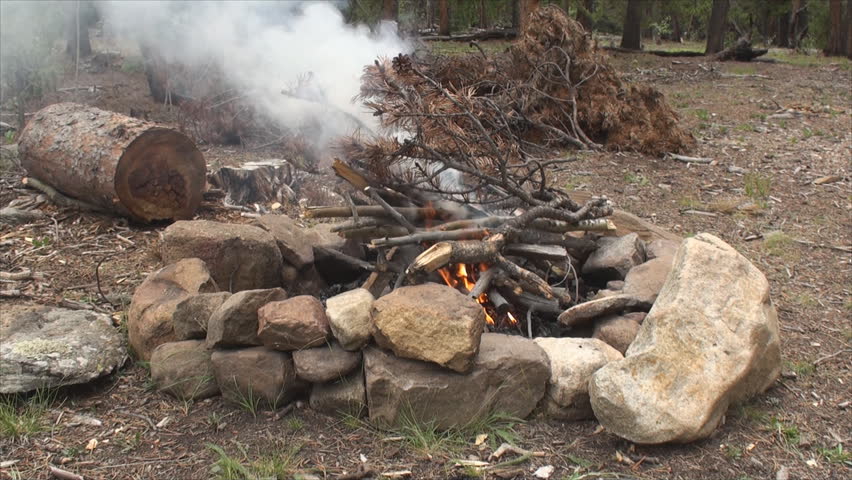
134, 168
263, 182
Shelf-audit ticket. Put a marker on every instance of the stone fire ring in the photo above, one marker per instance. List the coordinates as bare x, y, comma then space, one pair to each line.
709, 339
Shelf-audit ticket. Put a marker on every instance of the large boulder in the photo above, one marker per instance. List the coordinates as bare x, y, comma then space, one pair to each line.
618, 331
183, 370
572, 363
710, 340
509, 375
293, 324
614, 257
43, 347
611, 303
325, 364
348, 396
193, 314
256, 375
240, 257
294, 242
350, 317
235, 322
646, 280
430, 322
150, 318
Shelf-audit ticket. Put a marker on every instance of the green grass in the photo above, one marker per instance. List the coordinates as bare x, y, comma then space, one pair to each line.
787, 433
247, 400
22, 416
277, 464
777, 243
426, 437
743, 70
801, 368
752, 413
636, 179
460, 48
799, 59
836, 455
757, 185
733, 452
702, 114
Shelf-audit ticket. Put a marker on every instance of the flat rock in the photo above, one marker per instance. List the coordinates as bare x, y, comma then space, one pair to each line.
325, 364
240, 257
346, 396
293, 324
617, 331
193, 314
294, 242
646, 280
572, 363
661, 248
183, 370
611, 304
614, 257
509, 375
44, 347
430, 322
256, 373
235, 322
350, 317
711, 340
150, 317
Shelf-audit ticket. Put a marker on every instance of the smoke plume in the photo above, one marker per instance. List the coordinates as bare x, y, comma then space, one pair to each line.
263, 48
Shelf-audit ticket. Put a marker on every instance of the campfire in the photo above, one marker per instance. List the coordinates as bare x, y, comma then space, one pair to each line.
498, 311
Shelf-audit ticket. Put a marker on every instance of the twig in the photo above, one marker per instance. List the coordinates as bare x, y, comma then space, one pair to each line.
391, 211
25, 274
685, 159
840, 248
822, 359
64, 474
98, 279
356, 262
11, 293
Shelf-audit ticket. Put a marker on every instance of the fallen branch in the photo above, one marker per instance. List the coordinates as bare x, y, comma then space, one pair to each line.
59, 198
685, 159
25, 274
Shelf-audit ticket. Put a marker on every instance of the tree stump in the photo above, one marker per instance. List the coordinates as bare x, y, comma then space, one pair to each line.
134, 168
255, 182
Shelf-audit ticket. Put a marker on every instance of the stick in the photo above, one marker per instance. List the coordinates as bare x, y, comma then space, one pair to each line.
64, 474
467, 234
685, 159
499, 301
390, 210
411, 213
483, 283
346, 258
11, 293
547, 252
25, 274
59, 198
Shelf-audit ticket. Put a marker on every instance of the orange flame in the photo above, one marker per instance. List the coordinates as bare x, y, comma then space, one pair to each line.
461, 278
512, 320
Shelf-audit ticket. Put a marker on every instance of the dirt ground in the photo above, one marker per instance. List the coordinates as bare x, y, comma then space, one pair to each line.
765, 193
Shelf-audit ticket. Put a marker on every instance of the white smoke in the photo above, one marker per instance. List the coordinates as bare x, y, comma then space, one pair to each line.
264, 47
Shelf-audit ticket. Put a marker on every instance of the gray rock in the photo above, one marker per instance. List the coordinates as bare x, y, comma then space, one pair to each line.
183, 370
615, 285
43, 347
430, 322
614, 257
617, 331
293, 324
509, 375
350, 317
711, 340
193, 314
294, 242
646, 280
235, 323
348, 396
325, 364
661, 248
150, 319
572, 363
240, 257
256, 374
600, 307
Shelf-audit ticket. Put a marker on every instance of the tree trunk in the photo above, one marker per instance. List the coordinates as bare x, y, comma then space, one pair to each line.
566, 5
849, 29
631, 34
526, 7
483, 17
798, 23
835, 29
135, 168
390, 10
444, 17
76, 28
716, 27
584, 14
782, 40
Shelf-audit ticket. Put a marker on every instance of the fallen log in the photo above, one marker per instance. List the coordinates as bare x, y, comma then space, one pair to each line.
741, 51
124, 165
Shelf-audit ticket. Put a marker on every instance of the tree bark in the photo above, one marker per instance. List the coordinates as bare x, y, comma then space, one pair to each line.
716, 27
444, 17
631, 36
483, 16
584, 14
138, 169
835, 29
390, 10
526, 7
849, 29
76, 26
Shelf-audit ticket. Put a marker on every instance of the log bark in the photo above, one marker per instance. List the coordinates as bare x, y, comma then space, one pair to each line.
134, 168
265, 181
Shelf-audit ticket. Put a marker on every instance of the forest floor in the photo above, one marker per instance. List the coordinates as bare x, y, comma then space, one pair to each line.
768, 193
